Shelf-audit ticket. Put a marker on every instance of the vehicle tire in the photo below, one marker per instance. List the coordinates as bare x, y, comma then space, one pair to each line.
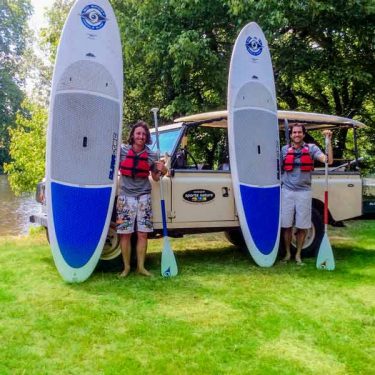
47, 235
111, 247
314, 235
310, 247
234, 236
111, 257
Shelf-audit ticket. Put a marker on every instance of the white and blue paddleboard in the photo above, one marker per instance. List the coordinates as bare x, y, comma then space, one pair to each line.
254, 145
83, 137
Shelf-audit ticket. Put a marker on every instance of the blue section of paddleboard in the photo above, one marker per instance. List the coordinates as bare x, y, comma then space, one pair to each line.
79, 216
262, 209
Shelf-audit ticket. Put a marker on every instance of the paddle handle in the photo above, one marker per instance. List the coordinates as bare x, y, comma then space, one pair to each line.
155, 113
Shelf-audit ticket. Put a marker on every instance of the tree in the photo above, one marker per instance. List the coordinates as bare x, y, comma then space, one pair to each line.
50, 36
176, 55
27, 148
177, 52
323, 53
13, 30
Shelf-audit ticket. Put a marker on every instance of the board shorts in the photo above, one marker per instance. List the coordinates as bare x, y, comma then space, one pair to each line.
296, 209
131, 210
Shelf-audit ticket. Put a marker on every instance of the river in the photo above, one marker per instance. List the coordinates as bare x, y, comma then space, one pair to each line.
15, 211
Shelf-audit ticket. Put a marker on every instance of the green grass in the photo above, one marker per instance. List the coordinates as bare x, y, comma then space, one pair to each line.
220, 315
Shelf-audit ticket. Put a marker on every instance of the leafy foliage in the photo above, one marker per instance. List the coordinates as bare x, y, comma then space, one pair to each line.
208, 146
13, 31
176, 53
27, 148
323, 52
50, 35
176, 56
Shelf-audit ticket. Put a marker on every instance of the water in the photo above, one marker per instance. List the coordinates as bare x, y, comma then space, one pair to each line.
15, 211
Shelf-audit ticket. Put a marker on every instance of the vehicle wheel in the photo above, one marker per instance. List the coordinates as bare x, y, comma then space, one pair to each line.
111, 247
314, 235
47, 235
111, 257
234, 236
312, 241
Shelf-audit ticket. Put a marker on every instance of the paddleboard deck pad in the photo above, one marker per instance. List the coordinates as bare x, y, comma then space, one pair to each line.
254, 145
83, 137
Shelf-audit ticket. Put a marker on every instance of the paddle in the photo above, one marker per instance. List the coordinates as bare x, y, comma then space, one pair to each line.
286, 131
168, 260
325, 259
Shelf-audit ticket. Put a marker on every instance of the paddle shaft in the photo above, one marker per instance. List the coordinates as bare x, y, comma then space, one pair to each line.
286, 131
326, 185
162, 201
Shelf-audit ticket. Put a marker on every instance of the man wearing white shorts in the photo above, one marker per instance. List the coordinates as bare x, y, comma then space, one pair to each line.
296, 196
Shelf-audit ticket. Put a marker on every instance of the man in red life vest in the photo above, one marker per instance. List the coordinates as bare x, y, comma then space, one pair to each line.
296, 197
137, 161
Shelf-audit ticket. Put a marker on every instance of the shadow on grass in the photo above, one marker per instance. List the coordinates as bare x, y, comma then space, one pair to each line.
229, 261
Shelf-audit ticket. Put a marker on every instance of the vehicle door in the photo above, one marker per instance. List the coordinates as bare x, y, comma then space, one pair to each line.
201, 187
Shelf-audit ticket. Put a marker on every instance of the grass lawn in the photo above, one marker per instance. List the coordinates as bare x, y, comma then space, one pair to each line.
220, 315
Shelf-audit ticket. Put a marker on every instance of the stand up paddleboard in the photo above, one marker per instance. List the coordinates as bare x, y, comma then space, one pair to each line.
254, 145
83, 136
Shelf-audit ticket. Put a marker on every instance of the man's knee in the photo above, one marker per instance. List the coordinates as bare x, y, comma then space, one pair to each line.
125, 236
142, 235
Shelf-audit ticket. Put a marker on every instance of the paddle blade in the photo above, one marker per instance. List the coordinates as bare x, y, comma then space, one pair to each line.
168, 260
325, 259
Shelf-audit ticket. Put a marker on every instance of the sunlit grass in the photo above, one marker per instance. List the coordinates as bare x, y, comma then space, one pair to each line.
221, 314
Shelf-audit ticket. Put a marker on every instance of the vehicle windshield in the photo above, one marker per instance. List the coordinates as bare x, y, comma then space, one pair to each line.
167, 140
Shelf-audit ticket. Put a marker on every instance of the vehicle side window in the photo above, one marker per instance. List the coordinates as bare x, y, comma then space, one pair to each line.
167, 140
204, 149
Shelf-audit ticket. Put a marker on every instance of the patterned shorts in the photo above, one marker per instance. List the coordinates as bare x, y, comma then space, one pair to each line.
131, 210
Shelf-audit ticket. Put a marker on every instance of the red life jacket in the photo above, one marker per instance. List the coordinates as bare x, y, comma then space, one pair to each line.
135, 165
306, 162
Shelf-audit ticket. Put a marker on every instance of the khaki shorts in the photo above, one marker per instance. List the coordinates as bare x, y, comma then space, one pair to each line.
132, 209
296, 209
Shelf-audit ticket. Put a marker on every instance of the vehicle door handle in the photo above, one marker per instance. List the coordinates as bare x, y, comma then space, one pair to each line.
225, 191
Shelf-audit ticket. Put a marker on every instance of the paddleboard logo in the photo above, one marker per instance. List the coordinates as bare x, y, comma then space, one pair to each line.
254, 46
93, 17
199, 196
167, 272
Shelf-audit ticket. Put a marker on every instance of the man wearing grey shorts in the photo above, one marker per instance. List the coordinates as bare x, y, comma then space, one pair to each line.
296, 197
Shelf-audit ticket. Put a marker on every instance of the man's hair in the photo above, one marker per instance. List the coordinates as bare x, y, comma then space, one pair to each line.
297, 125
140, 124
